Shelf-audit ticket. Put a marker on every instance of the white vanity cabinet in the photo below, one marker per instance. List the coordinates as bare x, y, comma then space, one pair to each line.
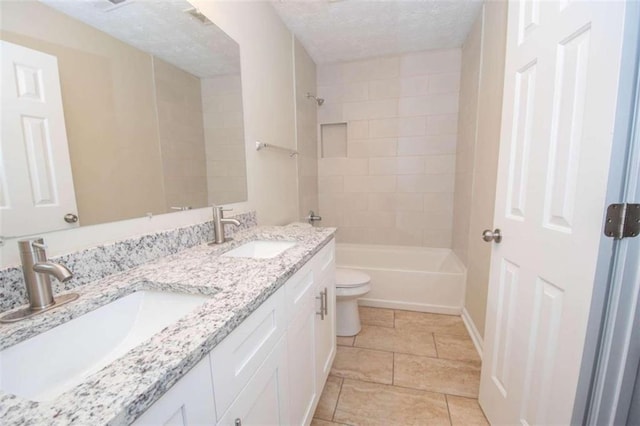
324, 269
188, 403
270, 370
301, 341
265, 398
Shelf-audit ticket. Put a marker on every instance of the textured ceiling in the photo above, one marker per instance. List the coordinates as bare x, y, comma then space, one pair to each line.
333, 31
161, 28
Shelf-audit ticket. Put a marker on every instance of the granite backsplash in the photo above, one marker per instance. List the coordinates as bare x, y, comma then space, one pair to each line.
106, 259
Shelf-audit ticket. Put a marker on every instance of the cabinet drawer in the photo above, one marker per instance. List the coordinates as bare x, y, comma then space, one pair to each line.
240, 354
324, 262
297, 287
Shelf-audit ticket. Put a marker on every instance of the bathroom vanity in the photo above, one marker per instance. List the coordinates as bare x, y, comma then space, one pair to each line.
257, 350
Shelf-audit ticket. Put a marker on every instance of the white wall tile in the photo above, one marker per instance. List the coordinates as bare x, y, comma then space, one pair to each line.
412, 126
427, 145
354, 92
329, 74
414, 86
343, 202
397, 166
358, 129
370, 184
440, 164
437, 103
369, 219
444, 83
384, 89
430, 62
330, 184
385, 147
423, 183
396, 202
371, 109
342, 166
396, 184
385, 68
383, 128
445, 124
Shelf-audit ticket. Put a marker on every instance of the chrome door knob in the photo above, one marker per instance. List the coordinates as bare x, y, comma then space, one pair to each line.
488, 235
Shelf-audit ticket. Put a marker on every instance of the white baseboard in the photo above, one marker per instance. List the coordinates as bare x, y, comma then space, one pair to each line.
405, 306
473, 331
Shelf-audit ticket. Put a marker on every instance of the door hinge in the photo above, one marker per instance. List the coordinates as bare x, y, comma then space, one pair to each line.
623, 220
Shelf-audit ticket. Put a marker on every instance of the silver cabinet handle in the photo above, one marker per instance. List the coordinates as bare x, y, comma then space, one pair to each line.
488, 235
323, 308
70, 218
326, 301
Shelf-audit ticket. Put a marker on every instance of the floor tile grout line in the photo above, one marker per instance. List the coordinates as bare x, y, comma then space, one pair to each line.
335, 408
393, 368
412, 354
435, 344
446, 400
405, 387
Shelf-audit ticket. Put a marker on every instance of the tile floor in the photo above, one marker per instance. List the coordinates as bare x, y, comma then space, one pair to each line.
403, 368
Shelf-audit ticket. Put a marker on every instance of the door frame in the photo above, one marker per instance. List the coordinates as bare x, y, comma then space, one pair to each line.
608, 374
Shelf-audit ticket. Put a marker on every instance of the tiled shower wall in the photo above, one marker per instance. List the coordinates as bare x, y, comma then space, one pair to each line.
395, 185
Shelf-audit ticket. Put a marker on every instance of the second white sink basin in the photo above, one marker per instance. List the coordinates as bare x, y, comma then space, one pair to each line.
260, 249
45, 366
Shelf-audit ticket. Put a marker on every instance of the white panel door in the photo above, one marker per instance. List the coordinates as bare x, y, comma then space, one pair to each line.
36, 185
561, 76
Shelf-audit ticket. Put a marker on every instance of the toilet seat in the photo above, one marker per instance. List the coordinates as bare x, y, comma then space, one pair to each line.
349, 278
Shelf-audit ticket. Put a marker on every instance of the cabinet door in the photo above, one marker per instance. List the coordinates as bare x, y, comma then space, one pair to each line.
239, 356
301, 351
188, 402
265, 399
325, 329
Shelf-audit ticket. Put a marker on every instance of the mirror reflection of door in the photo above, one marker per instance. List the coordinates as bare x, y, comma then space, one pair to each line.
152, 104
36, 185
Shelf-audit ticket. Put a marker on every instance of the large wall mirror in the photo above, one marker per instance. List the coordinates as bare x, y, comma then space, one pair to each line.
149, 102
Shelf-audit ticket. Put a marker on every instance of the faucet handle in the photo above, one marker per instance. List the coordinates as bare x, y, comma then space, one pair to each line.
41, 245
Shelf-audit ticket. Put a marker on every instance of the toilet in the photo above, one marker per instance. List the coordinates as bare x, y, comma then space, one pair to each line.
350, 285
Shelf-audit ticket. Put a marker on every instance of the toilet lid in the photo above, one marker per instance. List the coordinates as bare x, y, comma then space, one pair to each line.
351, 278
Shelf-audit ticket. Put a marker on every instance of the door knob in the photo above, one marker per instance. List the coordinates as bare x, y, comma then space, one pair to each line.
488, 235
70, 218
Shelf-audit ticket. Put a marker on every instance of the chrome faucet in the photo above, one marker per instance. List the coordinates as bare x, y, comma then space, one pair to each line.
37, 272
218, 224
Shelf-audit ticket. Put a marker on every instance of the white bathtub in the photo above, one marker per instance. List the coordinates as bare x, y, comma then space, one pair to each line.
411, 278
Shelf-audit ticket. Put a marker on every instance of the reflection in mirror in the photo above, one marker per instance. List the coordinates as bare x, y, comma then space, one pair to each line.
148, 113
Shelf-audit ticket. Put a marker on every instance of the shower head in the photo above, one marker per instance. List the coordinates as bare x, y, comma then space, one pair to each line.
318, 100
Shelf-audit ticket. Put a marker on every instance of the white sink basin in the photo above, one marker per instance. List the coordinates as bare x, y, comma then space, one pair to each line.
260, 249
45, 366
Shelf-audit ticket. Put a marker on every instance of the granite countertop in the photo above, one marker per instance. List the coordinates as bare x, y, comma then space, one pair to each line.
124, 389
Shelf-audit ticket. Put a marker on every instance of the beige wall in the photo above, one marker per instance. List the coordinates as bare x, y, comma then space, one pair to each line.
306, 132
108, 98
467, 125
181, 136
224, 139
486, 158
266, 56
395, 186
